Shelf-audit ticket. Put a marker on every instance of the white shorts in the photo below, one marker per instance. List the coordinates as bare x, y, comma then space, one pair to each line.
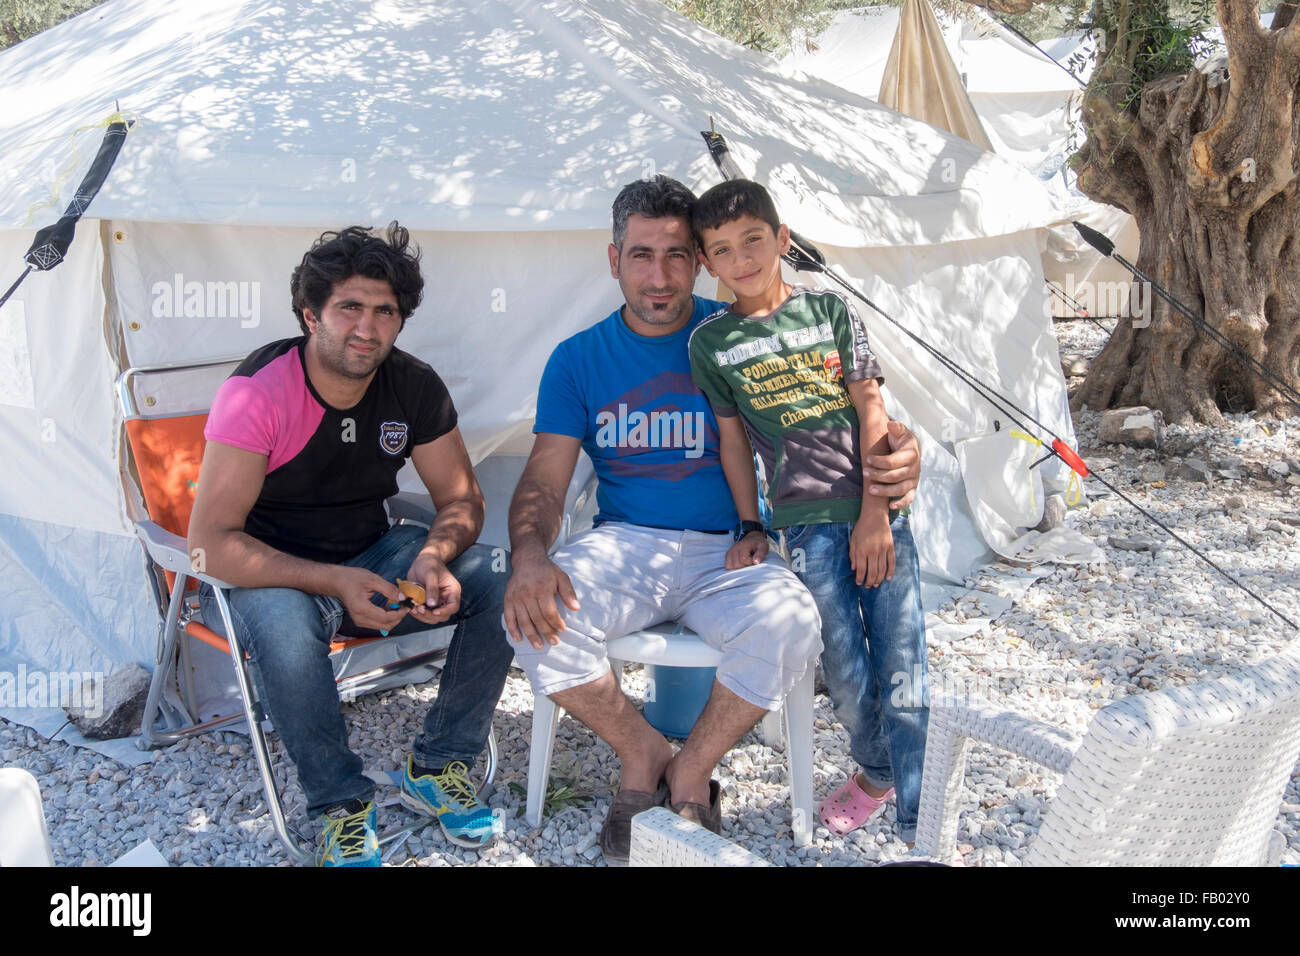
629, 577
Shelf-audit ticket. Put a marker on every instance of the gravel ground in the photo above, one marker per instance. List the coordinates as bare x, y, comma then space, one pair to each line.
1079, 638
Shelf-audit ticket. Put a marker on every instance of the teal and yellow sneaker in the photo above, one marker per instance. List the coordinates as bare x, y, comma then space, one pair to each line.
450, 797
348, 836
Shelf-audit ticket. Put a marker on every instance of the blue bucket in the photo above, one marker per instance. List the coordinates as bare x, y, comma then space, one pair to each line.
675, 697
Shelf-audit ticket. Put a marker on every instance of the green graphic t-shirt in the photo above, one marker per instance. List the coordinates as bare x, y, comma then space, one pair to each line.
784, 374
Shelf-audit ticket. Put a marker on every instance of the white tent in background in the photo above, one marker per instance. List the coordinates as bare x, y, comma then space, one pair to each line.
499, 133
1027, 105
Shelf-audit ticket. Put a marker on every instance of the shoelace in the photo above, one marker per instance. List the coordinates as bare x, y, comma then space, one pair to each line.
348, 834
454, 781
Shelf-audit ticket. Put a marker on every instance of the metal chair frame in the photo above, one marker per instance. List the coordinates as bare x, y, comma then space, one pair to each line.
169, 552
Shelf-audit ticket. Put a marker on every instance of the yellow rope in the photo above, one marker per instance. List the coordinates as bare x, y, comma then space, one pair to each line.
1073, 490
71, 166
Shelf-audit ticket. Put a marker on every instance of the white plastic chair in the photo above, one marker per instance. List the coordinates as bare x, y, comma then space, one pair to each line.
1185, 776
671, 646
24, 841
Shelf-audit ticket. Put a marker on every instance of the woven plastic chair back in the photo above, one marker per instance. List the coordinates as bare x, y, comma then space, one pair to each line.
1186, 776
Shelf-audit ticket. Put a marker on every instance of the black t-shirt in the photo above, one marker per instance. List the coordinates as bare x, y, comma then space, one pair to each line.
328, 470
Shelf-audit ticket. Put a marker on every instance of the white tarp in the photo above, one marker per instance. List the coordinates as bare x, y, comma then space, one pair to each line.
1028, 106
499, 132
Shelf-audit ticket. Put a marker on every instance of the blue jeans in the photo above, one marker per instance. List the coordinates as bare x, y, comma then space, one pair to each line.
286, 634
874, 656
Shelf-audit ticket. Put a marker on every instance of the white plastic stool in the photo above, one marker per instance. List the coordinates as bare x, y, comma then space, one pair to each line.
24, 841
670, 645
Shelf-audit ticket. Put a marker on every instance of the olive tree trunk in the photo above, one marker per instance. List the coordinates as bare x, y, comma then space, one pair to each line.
1208, 168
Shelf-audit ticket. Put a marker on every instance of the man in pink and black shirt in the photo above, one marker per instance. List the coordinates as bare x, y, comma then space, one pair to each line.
305, 440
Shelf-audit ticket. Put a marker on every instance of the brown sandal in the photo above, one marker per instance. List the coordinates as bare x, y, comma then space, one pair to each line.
709, 817
616, 834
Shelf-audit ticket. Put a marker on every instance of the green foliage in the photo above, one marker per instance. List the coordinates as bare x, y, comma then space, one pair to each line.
20, 19
764, 25
561, 795
1048, 20
1153, 38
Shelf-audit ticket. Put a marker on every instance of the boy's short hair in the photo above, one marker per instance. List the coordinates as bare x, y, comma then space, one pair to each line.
727, 202
355, 251
656, 198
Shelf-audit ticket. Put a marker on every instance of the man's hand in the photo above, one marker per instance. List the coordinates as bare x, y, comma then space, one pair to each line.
355, 587
895, 475
530, 609
749, 550
442, 590
871, 550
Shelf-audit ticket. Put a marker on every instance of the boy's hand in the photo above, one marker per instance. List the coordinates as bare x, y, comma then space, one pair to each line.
871, 550
749, 550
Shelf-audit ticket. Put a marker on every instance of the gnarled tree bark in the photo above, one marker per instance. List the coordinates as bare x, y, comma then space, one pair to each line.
1208, 168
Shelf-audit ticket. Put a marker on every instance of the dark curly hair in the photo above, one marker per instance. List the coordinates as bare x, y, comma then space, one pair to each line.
355, 251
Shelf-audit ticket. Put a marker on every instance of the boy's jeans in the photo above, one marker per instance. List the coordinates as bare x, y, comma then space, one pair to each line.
287, 633
874, 656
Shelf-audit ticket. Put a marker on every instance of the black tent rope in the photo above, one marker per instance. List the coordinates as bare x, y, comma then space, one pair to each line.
1047, 56
805, 257
1107, 248
1073, 303
51, 243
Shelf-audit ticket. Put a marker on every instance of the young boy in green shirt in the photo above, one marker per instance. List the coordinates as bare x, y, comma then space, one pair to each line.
789, 370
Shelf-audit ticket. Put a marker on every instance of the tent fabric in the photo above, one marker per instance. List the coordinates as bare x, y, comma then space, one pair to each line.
499, 133
502, 115
921, 80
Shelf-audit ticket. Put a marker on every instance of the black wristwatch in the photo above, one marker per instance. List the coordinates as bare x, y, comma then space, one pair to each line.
745, 527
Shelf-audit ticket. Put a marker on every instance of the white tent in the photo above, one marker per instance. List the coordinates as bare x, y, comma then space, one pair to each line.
1028, 105
499, 133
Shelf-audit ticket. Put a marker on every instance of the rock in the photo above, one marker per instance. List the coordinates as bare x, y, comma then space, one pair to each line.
1136, 543
1231, 474
1294, 465
1232, 461
1293, 480
1193, 469
1181, 446
1073, 364
1139, 426
1152, 471
112, 706
1054, 509
1279, 527
1234, 503
1278, 469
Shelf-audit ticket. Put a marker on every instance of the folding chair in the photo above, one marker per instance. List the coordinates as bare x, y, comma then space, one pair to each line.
167, 448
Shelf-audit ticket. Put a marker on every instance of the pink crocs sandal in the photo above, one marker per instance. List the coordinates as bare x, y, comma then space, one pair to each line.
850, 807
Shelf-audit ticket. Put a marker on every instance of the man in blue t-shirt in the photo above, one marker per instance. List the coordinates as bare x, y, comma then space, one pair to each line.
622, 391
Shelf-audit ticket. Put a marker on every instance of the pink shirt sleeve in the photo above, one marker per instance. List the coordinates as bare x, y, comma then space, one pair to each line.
243, 416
